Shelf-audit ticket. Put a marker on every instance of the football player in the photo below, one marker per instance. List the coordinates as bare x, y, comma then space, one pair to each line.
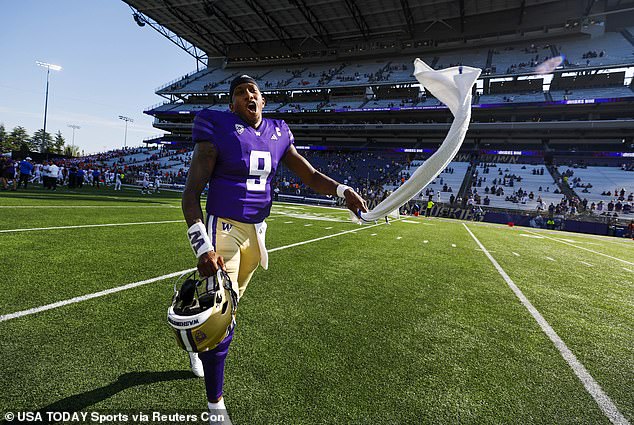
238, 153
146, 184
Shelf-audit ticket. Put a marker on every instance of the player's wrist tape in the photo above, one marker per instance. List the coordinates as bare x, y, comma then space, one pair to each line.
199, 239
341, 189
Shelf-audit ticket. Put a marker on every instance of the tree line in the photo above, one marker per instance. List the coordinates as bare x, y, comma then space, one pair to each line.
19, 139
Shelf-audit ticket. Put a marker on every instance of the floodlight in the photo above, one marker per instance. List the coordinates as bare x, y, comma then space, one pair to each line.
49, 66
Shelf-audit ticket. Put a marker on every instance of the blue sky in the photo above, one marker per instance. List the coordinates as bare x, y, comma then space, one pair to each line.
111, 67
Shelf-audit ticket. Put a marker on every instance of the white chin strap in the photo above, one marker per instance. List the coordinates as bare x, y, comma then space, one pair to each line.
452, 86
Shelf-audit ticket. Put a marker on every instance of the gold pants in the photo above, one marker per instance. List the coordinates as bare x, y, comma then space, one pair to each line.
237, 243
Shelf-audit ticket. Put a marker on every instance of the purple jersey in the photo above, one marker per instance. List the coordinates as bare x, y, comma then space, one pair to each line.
240, 185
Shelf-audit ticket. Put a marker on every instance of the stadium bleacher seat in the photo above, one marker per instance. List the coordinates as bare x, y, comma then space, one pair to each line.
602, 179
529, 183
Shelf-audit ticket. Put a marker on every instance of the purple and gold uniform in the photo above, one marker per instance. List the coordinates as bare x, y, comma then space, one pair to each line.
238, 201
240, 186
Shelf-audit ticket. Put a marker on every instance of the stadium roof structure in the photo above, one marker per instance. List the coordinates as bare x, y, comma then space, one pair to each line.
290, 28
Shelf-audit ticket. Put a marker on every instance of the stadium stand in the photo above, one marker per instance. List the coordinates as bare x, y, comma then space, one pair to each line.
609, 49
512, 97
598, 184
612, 48
448, 181
605, 92
515, 186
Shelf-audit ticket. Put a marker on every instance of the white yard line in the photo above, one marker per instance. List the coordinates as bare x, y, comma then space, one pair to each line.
585, 249
516, 254
592, 387
587, 264
30, 311
32, 229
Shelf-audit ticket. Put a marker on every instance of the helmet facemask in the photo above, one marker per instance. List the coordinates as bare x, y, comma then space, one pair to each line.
203, 311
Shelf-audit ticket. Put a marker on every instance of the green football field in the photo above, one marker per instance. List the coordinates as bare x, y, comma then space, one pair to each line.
423, 321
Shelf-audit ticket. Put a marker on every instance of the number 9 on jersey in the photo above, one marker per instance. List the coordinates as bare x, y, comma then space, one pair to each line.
259, 168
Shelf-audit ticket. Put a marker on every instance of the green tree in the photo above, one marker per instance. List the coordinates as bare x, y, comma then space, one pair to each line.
3, 139
58, 143
42, 142
18, 139
70, 150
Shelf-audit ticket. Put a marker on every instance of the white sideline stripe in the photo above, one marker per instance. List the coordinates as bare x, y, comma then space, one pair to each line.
586, 249
627, 270
57, 304
587, 264
89, 225
516, 254
22, 313
592, 387
550, 258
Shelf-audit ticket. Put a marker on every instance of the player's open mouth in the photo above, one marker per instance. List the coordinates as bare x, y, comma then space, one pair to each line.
251, 106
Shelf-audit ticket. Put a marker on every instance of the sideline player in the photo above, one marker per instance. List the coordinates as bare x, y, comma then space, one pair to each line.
146, 184
238, 153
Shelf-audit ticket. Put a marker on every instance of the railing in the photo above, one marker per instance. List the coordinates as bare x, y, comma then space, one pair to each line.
147, 139
149, 108
185, 77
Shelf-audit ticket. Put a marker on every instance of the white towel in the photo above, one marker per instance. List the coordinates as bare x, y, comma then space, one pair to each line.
452, 86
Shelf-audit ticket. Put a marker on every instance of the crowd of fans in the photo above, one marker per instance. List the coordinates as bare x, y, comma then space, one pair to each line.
109, 169
368, 172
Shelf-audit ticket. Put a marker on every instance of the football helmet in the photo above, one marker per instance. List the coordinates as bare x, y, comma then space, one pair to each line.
203, 310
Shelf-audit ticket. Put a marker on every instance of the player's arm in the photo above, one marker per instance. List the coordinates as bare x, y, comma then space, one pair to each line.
319, 182
200, 170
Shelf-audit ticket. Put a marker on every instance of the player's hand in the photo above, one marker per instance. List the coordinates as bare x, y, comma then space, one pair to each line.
209, 263
355, 202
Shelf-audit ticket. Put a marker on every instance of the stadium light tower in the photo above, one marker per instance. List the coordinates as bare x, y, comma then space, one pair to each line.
125, 137
48, 67
74, 127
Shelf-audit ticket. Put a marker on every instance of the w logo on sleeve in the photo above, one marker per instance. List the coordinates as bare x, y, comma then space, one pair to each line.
196, 239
